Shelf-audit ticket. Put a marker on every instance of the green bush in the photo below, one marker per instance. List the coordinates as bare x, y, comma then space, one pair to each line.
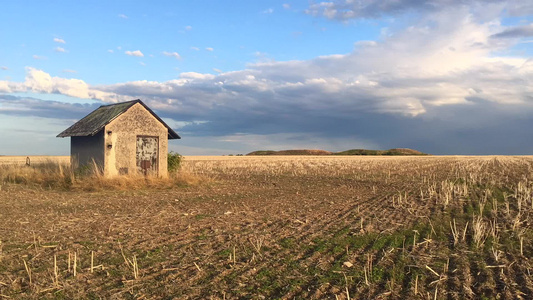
174, 161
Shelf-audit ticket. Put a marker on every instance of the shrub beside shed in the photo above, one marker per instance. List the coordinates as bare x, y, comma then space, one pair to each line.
122, 138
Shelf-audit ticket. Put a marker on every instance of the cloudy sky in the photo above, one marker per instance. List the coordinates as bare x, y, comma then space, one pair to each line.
442, 76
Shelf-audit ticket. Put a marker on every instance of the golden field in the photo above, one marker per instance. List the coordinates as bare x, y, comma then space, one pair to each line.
34, 159
276, 227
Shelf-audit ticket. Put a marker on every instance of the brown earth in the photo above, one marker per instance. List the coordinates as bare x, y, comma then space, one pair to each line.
290, 228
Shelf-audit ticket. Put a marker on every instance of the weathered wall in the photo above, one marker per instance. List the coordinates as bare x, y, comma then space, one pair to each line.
83, 149
120, 137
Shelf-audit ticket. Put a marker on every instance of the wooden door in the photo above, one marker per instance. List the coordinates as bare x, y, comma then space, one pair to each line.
147, 154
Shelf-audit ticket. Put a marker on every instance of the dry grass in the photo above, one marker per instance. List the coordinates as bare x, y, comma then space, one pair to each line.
53, 173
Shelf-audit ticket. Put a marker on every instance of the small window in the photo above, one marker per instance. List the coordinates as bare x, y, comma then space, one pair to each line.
109, 132
109, 146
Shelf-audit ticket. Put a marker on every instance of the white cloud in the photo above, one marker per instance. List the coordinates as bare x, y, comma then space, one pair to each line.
39, 57
172, 54
194, 75
41, 82
195, 48
137, 53
286, 6
209, 49
69, 71
5, 86
217, 70
59, 49
58, 40
122, 16
142, 63
110, 51
188, 27
268, 11
4, 68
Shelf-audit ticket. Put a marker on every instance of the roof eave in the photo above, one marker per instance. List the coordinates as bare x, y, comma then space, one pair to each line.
172, 135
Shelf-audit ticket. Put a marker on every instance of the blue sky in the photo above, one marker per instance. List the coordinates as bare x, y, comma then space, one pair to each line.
91, 37
444, 77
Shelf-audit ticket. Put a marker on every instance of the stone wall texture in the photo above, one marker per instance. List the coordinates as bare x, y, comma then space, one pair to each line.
120, 141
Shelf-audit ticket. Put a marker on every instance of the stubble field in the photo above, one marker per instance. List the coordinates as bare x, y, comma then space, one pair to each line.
276, 227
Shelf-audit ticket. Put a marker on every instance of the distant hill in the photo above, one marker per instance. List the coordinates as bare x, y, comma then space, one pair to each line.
291, 152
395, 151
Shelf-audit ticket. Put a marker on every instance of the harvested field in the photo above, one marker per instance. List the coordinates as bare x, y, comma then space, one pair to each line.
33, 159
324, 227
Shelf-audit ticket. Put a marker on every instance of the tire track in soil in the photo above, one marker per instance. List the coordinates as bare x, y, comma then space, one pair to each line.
341, 216
279, 229
506, 277
378, 289
303, 237
480, 282
188, 245
514, 286
376, 261
464, 278
523, 282
369, 207
407, 285
245, 270
452, 283
497, 277
311, 232
378, 255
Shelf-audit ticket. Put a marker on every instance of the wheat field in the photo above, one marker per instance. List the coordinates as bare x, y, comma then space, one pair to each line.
431, 227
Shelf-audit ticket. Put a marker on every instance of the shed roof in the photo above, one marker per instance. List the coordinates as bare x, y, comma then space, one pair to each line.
92, 123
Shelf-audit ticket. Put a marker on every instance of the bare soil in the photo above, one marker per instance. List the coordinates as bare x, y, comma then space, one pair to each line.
287, 228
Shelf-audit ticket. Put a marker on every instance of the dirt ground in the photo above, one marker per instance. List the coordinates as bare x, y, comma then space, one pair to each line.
280, 228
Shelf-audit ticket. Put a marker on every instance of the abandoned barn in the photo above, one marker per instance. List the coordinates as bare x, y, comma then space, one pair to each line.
121, 138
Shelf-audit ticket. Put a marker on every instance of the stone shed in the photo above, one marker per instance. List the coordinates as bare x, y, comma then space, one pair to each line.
122, 138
